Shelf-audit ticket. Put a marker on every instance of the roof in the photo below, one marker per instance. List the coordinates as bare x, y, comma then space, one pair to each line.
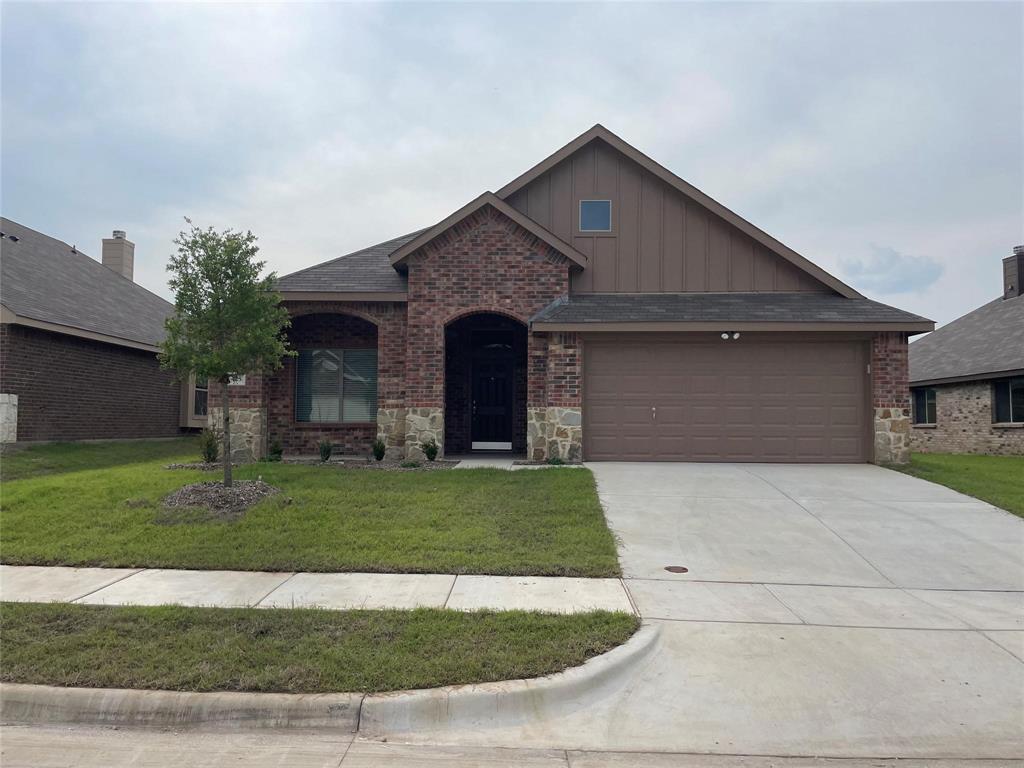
490, 199
722, 312
683, 186
982, 344
366, 271
45, 282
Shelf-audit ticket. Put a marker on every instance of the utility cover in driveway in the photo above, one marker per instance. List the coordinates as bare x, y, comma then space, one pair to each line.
715, 400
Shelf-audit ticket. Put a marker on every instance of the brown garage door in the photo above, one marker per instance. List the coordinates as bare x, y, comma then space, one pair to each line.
743, 400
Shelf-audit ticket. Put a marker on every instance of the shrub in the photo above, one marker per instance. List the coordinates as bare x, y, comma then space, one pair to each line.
276, 451
430, 449
379, 449
555, 461
409, 464
209, 445
326, 449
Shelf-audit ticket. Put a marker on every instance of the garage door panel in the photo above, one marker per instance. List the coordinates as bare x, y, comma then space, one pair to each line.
754, 401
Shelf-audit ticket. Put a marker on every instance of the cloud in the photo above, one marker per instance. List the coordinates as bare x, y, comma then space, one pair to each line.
887, 271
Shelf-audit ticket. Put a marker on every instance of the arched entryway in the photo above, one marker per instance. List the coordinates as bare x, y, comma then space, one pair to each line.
485, 384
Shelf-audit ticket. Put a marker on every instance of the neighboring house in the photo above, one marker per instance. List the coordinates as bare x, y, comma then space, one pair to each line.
78, 345
597, 307
967, 377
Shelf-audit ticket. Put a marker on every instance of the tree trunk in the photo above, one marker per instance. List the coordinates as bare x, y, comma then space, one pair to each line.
227, 432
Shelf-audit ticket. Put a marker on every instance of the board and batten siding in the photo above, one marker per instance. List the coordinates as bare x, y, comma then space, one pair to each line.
661, 241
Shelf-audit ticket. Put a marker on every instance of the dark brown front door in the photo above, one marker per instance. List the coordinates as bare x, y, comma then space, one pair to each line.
492, 378
712, 400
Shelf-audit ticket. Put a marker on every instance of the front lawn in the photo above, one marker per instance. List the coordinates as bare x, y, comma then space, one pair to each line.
999, 480
292, 650
60, 508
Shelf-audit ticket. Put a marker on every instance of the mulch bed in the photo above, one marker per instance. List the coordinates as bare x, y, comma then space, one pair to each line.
200, 502
200, 465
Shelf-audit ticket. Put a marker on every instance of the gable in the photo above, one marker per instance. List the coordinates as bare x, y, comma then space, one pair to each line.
666, 235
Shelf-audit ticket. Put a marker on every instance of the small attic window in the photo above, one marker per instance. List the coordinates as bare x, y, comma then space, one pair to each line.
595, 215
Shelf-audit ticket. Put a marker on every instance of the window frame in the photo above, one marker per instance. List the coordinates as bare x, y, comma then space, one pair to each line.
340, 352
196, 389
1010, 384
579, 218
931, 398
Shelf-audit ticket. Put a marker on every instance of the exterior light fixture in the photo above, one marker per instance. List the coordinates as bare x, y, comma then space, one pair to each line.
725, 336
736, 335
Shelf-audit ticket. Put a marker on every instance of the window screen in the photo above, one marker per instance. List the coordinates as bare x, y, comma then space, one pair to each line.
595, 215
336, 385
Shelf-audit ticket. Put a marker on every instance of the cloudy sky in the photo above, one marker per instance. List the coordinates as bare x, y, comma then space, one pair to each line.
883, 141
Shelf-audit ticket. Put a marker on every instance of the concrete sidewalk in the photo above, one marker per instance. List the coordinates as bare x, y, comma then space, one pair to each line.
339, 591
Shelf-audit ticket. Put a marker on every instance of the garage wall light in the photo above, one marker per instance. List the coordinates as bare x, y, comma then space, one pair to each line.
726, 335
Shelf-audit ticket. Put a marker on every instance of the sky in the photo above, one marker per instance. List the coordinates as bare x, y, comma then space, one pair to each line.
883, 141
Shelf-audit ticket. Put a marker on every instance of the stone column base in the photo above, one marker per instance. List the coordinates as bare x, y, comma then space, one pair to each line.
248, 431
421, 426
391, 430
554, 432
8, 418
892, 435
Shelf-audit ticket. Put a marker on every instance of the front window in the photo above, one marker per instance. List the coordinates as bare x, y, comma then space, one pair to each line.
199, 401
336, 385
595, 215
924, 406
1008, 401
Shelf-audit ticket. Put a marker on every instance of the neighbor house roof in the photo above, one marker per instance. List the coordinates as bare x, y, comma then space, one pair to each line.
722, 311
982, 344
368, 271
46, 283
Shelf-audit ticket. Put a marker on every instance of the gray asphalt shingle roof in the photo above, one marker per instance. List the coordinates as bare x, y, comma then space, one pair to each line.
987, 341
721, 307
365, 271
42, 278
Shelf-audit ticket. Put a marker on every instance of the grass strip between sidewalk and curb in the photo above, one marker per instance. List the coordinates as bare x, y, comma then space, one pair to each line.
102, 505
998, 480
292, 650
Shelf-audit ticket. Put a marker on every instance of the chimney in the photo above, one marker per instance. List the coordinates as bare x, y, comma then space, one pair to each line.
119, 254
1013, 273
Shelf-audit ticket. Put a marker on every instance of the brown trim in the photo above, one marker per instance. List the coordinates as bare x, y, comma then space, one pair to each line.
910, 327
969, 377
8, 316
368, 296
759, 235
489, 198
188, 418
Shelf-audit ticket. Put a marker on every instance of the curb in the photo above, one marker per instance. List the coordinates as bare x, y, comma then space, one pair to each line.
490, 705
478, 705
44, 704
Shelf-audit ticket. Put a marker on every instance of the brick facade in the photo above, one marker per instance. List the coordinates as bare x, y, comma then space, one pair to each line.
890, 397
963, 424
71, 388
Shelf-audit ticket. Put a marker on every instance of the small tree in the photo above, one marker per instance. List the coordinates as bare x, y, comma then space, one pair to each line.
227, 320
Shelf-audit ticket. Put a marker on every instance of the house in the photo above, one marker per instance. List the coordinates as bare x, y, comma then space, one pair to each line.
596, 307
967, 378
78, 345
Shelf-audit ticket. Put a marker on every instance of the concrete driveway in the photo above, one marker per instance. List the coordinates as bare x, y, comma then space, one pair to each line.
845, 611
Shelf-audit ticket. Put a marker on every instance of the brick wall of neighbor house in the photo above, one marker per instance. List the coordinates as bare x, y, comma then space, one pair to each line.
890, 397
70, 388
486, 263
963, 424
331, 325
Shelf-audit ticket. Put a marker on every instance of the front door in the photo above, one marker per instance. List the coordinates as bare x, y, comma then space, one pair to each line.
492, 375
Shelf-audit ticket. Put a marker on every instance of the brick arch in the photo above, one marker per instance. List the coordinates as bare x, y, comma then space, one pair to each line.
484, 309
333, 309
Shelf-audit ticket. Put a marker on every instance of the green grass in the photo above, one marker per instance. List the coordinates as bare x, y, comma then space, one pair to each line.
62, 512
292, 650
999, 480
